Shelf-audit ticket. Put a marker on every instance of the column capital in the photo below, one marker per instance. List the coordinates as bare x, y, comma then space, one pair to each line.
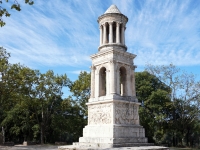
92, 67
118, 23
104, 24
123, 25
100, 27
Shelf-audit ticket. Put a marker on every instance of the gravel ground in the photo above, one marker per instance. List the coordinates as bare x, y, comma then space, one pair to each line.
52, 147
30, 147
55, 147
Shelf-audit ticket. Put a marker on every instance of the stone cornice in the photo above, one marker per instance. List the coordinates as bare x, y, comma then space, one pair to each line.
111, 50
111, 15
113, 45
112, 101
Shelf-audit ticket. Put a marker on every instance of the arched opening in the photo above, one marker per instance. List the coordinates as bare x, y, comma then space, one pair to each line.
114, 32
122, 73
102, 81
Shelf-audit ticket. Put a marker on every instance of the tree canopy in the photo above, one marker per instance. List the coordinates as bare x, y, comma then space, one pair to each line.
181, 119
29, 100
32, 107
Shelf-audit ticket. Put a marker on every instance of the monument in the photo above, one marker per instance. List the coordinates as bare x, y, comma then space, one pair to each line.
113, 119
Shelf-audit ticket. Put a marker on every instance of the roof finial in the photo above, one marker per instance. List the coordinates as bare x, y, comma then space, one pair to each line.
112, 9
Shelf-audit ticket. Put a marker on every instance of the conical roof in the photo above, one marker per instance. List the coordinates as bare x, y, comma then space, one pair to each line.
112, 9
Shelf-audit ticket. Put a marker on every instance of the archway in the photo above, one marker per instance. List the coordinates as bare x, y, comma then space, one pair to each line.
102, 81
122, 73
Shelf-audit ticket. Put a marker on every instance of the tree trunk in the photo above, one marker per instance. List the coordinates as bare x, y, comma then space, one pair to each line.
41, 134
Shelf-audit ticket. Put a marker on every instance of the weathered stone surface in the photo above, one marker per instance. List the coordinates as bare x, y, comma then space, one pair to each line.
113, 119
112, 9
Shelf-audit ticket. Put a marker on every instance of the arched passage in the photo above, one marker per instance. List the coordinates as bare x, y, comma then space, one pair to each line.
122, 73
102, 81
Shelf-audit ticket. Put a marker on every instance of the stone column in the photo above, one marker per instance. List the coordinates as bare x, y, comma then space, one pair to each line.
133, 81
117, 33
92, 82
122, 35
112, 77
128, 82
111, 32
101, 36
96, 93
118, 82
122, 89
107, 82
104, 34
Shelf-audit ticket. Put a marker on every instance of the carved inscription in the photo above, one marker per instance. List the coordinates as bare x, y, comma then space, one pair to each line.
99, 114
126, 113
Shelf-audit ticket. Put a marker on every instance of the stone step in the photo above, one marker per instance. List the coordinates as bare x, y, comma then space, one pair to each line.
110, 145
112, 140
87, 147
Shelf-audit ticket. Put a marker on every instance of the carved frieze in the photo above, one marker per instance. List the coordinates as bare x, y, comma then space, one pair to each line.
126, 113
124, 59
99, 114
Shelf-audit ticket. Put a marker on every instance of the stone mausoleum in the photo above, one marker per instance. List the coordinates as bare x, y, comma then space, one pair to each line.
113, 119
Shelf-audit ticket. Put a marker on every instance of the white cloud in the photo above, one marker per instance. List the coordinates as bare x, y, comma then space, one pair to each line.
77, 72
65, 33
163, 32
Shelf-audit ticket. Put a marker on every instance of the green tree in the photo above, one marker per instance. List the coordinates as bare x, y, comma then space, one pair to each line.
185, 97
80, 94
14, 98
81, 91
47, 92
15, 5
154, 115
29, 100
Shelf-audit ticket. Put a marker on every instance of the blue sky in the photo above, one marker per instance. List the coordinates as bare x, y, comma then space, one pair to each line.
62, 34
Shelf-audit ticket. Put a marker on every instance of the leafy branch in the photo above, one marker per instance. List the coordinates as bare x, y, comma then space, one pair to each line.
15, 5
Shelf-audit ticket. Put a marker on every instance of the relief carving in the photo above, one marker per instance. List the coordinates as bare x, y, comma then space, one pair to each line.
99, 114
126, 113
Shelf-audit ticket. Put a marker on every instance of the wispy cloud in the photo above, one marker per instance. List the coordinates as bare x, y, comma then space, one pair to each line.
161, 32
51, 34
66, 33
77, 72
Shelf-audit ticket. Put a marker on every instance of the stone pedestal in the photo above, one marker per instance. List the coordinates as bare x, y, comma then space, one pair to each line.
113, 123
